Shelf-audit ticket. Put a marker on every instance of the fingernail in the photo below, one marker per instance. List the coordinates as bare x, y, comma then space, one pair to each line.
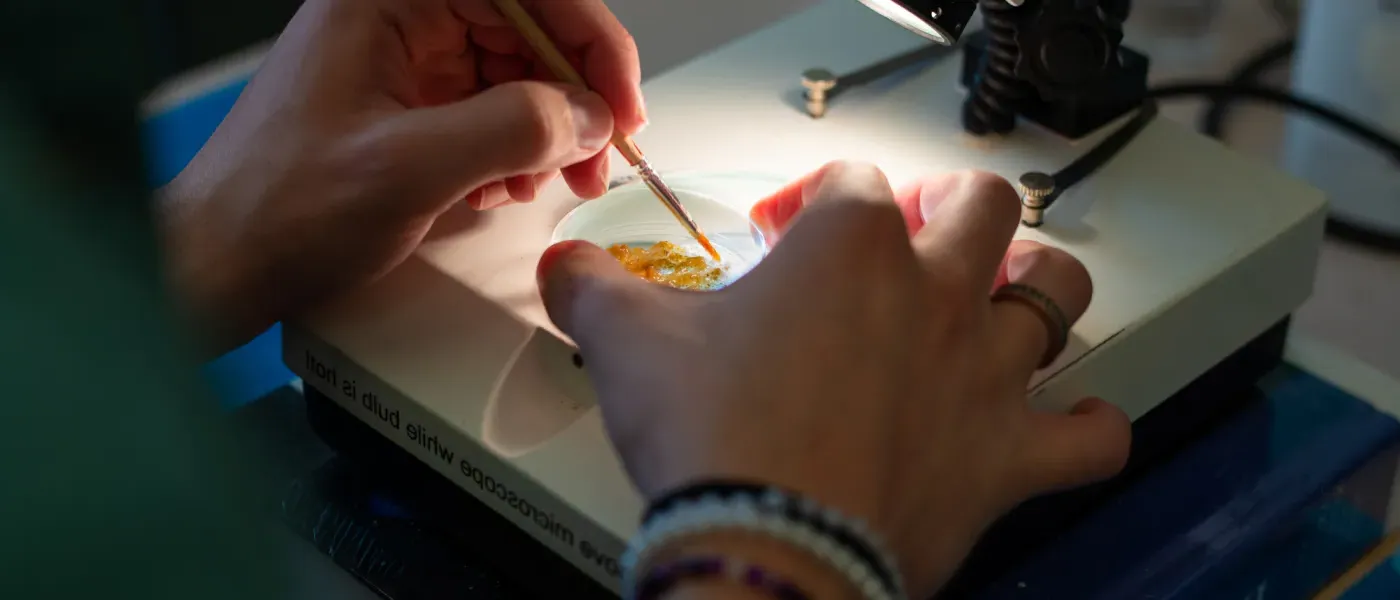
928, 204
932, 194
1086, 406
593, 124
641, 111
605, 173
491, 201
813, 182
1020, 264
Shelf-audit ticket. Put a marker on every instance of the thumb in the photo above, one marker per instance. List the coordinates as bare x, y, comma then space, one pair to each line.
1089, 444
585, 289
443, 152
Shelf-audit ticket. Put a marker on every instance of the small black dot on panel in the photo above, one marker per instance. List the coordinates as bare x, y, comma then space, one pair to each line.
578, 360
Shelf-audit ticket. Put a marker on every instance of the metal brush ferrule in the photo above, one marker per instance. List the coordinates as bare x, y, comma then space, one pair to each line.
667, 196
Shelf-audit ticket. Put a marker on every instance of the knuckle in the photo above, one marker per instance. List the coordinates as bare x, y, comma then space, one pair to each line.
852, 213
851, 180
875, 227
992, 189
627, 42
957, 279
537, 124
856, 239
883, 220
1055, 264
1075, 268
1071, 269
1088, 282
1072, 282
847, 166
987, 182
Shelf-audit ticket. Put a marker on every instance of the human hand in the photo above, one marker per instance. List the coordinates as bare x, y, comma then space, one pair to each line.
371, 121
855, 364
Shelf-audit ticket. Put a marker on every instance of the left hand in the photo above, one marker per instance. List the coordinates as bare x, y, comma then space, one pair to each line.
370, 120
866, 368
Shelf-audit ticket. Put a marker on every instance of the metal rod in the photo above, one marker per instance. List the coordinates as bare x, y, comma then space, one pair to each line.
823, 85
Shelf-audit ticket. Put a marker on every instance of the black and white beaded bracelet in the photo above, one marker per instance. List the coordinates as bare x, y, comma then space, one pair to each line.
843, 543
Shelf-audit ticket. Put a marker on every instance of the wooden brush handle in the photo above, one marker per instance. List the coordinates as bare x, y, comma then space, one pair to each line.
554, 59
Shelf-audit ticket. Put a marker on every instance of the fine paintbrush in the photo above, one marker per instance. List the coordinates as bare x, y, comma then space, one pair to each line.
557, 64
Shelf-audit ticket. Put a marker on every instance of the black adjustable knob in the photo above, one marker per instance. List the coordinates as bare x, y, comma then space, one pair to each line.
1068, 49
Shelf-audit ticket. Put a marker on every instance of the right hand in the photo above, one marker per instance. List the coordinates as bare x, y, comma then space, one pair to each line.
372, 123
856, 365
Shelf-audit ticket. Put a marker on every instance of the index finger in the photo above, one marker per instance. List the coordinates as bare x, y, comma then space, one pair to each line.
774, 213
588, 28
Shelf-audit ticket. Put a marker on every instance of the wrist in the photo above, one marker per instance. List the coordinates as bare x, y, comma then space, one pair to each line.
792, 564
212, 276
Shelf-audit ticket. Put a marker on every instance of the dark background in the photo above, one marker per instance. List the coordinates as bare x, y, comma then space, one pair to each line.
189, 33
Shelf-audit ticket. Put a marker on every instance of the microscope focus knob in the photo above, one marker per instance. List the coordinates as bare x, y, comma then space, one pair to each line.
817, 82
1036, 189
1068, 49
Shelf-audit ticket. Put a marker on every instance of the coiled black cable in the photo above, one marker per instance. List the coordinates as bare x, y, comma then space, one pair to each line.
998, 93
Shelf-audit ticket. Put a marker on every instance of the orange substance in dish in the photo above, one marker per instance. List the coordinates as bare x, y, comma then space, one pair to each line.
667, 264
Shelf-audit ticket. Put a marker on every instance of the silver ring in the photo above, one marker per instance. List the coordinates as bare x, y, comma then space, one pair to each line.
1045, 308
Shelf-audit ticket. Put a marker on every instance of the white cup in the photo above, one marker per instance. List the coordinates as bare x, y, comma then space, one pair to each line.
631, 214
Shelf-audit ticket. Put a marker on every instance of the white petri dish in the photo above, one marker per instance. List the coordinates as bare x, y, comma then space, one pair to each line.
631, 214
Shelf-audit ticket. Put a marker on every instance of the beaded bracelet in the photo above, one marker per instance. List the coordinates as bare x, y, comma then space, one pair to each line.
822, 533
666, 577
849, 533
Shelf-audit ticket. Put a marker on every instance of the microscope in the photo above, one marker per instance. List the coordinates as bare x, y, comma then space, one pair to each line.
1057, 63
448, 373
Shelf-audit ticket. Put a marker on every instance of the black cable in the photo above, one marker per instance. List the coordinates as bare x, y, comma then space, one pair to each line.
1212, 123
1341, 228
1252, 91
888, 67
1362, 235
1102, 152
1286, 11
996, 95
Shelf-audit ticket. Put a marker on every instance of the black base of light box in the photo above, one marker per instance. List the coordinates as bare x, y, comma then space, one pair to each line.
1173, 425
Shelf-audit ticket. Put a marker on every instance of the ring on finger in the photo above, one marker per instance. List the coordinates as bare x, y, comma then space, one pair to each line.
1056, 324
